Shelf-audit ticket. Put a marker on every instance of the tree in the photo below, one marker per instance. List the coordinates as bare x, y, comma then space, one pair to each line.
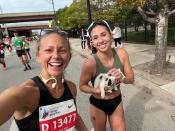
102, 8
73, 16
156, 12
127, 10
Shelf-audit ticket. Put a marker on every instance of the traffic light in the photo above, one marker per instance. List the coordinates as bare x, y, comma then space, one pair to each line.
50, 24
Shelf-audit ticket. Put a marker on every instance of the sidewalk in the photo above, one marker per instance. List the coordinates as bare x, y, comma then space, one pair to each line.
139, 54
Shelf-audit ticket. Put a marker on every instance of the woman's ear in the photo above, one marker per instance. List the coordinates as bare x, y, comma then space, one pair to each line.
112, 38
92, 44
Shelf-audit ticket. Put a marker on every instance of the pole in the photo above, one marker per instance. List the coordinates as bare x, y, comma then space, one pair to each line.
53, 8
89, 11
145, 32
55, 26
6, 30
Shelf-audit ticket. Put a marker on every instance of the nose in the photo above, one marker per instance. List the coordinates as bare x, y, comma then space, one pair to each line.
56, 54
100, 40
109, 82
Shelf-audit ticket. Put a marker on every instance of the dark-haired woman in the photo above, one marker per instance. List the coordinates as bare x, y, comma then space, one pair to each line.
114, 62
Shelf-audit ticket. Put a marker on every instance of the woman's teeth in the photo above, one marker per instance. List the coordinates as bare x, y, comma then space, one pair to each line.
55, 64
102, 46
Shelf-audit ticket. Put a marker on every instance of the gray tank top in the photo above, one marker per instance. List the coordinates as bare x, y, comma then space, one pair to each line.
100, 68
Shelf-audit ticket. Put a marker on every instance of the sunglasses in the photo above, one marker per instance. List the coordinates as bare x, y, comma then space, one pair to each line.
98, 22
59, 32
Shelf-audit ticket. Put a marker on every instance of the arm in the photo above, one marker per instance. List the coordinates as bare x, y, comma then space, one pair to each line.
8, 47
87, 72
9, 102
13, 41
128, 71
13, 99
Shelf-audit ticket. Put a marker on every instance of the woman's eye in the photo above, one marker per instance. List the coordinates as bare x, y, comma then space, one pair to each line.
47, 50
94, 38
103, 34
63, 51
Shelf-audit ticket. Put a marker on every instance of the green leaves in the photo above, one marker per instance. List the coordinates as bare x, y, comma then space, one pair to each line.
75, 16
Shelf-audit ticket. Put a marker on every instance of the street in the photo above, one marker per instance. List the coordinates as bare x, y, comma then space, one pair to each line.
144, 110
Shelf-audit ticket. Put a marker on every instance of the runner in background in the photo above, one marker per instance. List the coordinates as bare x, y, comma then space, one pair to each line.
20, 52
8, 42
2, 54
26, 44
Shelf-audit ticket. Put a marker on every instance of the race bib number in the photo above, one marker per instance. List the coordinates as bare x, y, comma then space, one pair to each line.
58, 117
18, 48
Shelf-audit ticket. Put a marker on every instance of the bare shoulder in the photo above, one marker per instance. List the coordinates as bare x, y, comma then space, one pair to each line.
90, 62
23, 88
72, 87
28, 87
89, 66
123, 54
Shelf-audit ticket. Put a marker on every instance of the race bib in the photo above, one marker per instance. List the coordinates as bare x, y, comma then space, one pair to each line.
18, 48
58, 117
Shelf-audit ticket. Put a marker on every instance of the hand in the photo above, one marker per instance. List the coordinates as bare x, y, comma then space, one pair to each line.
116, 73
97, 91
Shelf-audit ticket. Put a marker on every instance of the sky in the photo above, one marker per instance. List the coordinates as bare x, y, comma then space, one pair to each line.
18, 6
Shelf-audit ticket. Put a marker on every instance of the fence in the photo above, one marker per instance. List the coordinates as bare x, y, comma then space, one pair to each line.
139, 31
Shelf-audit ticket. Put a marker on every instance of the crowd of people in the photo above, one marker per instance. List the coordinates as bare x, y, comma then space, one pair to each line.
47, 102
20, 44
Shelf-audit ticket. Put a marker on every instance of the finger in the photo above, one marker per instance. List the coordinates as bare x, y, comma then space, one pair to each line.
112, 71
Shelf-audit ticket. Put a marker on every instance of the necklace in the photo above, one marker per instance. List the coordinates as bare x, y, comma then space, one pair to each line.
46, 81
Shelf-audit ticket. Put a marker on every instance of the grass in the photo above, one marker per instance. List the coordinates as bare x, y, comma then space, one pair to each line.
139, 36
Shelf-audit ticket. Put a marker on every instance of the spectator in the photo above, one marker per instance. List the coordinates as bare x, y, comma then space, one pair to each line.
83, 39
117, 36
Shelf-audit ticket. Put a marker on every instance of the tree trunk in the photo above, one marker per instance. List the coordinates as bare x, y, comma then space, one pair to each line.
161, 42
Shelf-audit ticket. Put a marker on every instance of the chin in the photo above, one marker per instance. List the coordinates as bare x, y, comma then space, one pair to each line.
55, 74
103, 50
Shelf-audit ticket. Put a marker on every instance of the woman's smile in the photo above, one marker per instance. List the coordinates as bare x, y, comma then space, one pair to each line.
56, 64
